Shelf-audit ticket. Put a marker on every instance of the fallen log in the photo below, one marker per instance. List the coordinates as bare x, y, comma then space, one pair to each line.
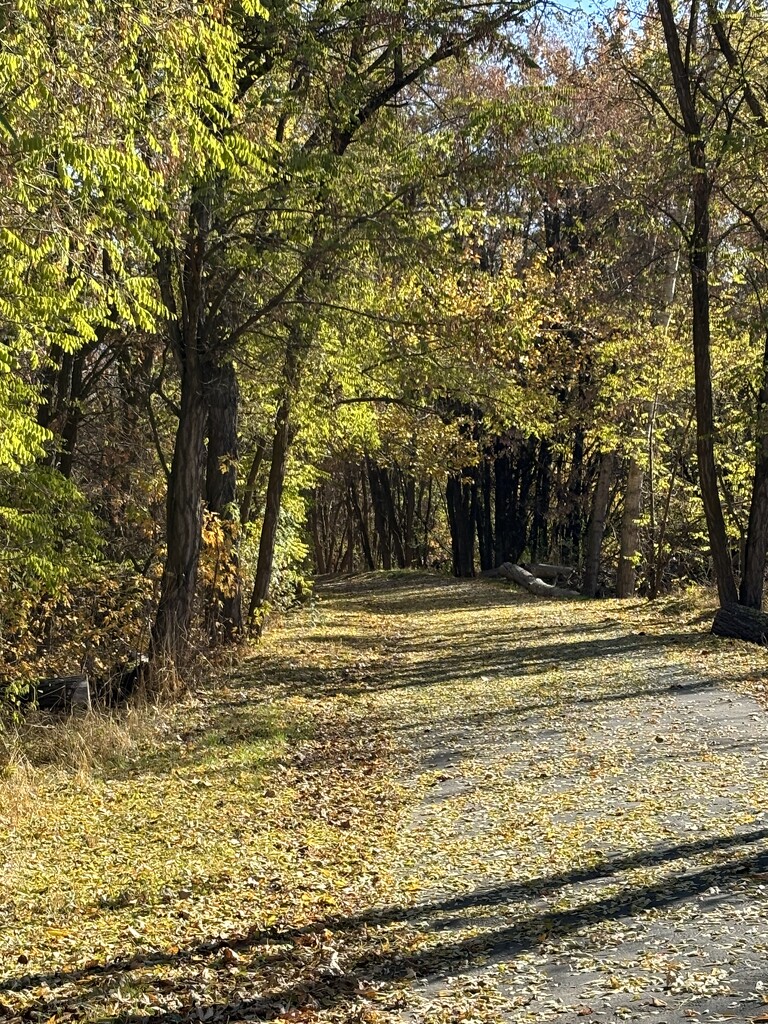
544, 571
537, 586
741, 623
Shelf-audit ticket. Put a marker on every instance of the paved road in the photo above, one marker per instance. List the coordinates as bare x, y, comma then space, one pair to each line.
592, 840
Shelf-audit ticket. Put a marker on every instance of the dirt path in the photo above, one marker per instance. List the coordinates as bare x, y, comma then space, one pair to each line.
420, 801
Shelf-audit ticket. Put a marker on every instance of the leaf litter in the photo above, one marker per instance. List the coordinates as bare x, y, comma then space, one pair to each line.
418, 800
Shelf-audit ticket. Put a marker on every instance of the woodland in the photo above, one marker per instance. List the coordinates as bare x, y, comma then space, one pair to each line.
298, 289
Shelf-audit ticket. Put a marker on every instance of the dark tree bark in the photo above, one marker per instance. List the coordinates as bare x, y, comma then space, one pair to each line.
385, 516
409, 511
314, 527
698, 254
574, 530
625, 577
183, 524
74, 413
514, 475
359, 518
484, 516
379, 514
184, 500
224, 615
427, 523
753, 571
505, 503
250, 482
741, 623
461, 518
539, 538
596, 526
280, 446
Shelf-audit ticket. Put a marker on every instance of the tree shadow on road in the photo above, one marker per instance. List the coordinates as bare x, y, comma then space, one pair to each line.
369, 960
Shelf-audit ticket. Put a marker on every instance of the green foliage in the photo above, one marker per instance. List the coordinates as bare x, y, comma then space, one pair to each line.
51, 545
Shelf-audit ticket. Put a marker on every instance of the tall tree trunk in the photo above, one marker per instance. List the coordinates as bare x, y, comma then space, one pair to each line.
427, 524
753, 574
596, 526
280, 445
394, 524
461, 518
526, 477
314, 526
701, 187
505, 502
184, 502
625, 578
484, 516
539, 540
357, 514
409, 511
385, 514
184, 507
574, 531
349, 557
379, 514
74, 414
224, 614
514, 475
250, 483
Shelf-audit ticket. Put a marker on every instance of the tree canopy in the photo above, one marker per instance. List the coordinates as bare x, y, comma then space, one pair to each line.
290, 290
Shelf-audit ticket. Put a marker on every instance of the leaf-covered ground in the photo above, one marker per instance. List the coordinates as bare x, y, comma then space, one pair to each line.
419, 800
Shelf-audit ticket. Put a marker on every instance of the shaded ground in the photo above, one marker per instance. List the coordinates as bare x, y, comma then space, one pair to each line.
488, 808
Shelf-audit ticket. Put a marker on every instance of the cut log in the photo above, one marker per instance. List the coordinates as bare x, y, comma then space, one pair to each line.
544, 571
61, 693
742, 623
536, 586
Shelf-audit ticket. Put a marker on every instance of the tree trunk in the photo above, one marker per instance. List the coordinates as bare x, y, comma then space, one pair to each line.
280, 445
753, 574
701, 187
184, 507
625, 578
596, 527
74, 414
427, 523
574, 531
357, 513
184, 502
505, 503
514, 474
741, 623
484, 516
224, 615
539, 540
536, 586
718, 541
409, 510
385, 516
250, 484
314, 526
379, 514
461, 517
